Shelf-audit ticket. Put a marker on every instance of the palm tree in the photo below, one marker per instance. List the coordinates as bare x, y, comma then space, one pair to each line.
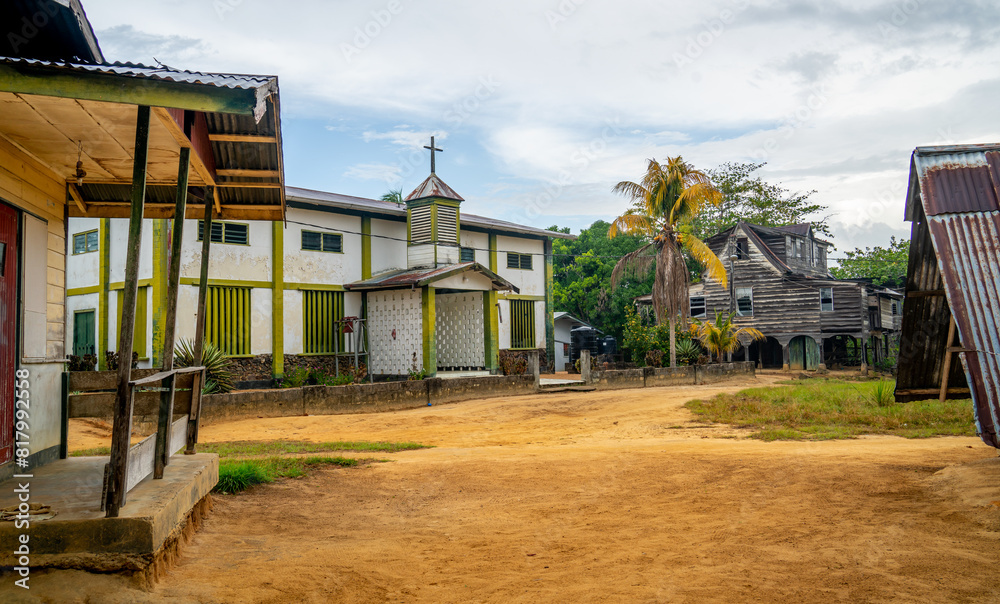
665, 202
721, 336
394, 195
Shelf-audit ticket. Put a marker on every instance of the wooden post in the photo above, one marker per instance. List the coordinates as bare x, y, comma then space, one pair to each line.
166, 415
585, 366
864, 354
534, 366
206, 241
192, 432
121, 431
946, 367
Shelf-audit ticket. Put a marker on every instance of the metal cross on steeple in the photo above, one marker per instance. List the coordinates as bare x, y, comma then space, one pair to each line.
433, 149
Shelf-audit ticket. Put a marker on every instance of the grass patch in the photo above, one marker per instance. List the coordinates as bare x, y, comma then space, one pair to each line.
834, 409
237, 475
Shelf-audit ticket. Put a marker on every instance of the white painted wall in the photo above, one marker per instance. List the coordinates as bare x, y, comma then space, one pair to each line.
260, 321
467, 280
530, 283
505, 323
293, 322
303, 266
119, 249
82, 270
388, 254
228, 261
395, 331
480, 242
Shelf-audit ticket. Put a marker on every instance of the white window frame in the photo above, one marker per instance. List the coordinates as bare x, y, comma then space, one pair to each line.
822, 304
739, 312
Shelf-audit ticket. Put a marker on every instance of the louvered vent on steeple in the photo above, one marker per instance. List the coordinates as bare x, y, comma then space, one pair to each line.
447, 224
420, 225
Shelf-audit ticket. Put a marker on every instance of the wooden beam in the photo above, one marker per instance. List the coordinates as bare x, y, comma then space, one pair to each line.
946, 368
59, 81
931, 293
198, 162
249, 173
121, 430
118, 209
218, 201
250, 185
241, 138
74, 193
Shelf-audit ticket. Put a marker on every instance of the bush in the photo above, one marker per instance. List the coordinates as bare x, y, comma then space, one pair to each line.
111, 360
296, 378
513, 362
85, 363
218, 378
654, 358
688, 352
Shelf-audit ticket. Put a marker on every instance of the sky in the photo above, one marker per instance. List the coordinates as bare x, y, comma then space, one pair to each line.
541, 106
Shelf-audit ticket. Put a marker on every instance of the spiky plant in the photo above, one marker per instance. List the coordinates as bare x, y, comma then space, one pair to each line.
218, 377
688, 352
721, 335
665, 201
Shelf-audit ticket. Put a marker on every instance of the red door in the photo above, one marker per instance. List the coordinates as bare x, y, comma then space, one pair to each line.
8, 326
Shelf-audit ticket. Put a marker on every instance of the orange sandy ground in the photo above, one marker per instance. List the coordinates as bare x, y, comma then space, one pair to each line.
588, 497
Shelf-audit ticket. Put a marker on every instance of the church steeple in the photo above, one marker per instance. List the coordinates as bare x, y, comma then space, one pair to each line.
432, 219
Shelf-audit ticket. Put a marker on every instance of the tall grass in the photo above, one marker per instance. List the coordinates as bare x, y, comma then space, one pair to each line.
237, 475
829, 409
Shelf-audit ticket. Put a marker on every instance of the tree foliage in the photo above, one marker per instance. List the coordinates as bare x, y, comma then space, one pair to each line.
582, 277
882, 265
748, 197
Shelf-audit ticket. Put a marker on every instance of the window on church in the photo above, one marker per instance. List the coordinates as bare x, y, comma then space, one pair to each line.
468, 255
321, 311
313, 241
522, 324
519, 261
234, 233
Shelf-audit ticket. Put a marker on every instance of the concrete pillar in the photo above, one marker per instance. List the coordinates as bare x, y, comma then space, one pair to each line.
534, 366
864, 354
785, 356
585, 366
822, 355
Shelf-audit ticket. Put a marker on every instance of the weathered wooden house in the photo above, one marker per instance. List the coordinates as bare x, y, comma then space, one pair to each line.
950, 345
779, 283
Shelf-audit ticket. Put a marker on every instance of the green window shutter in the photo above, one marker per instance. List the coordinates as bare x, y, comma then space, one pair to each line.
332, 242
321, 310
312, 241
227, 324
526, 262
467, 255
513, 260
522, 324
238, 234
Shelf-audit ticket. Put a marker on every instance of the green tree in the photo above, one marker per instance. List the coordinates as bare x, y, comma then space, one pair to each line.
582, 277
883, 265
747, 197
665, 202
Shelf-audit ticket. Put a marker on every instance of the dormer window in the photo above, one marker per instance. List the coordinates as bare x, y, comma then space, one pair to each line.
742, 248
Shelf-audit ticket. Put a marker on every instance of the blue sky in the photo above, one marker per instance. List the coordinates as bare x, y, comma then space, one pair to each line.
542, 105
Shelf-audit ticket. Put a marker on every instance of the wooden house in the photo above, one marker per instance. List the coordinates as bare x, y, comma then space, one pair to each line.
779, 283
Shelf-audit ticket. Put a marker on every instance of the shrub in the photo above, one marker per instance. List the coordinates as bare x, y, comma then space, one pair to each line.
513, 362
688, 352
296, 378
218, 377
637, 338
111, 360
654, 358
85, 363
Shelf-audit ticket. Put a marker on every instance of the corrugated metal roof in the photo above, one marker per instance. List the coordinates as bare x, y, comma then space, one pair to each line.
425, 276
433, 186
388, 208
796, 229
968, 250
956, 188
59, 31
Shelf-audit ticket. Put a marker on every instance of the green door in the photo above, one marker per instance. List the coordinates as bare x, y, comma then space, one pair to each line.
83, 333
803, 354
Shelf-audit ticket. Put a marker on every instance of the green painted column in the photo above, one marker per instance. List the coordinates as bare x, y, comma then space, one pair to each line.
491, 331
161, 237
278, 299
429, 325
493, 252
104, 294
366, 247
550, 322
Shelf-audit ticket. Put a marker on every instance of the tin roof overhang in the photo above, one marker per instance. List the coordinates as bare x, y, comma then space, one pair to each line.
59, 112
422, 277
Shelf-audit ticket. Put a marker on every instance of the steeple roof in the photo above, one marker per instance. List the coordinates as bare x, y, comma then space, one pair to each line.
433, 186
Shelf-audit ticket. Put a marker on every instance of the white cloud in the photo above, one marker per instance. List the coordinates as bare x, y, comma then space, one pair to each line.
409, 139
381, 172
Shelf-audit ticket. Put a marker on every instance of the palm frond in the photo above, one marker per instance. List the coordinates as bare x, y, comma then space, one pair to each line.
631, 263
630, 190
713, 266
631, 223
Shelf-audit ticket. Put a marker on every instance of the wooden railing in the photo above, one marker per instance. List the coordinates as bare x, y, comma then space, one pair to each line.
178, 392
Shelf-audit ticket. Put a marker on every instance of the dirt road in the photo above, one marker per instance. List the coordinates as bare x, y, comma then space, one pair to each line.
597, 497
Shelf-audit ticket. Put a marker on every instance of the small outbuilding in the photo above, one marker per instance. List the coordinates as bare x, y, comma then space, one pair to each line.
953, 281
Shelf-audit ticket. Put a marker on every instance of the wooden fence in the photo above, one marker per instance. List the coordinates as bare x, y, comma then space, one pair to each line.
178, 392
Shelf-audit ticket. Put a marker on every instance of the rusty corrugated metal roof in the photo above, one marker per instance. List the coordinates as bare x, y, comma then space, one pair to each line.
433, 186
953, 191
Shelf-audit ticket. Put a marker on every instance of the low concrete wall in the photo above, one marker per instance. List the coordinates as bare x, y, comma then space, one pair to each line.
464, 389
364, 398
252, 403
649, 377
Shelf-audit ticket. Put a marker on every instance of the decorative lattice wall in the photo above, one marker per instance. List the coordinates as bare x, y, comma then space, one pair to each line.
396, 311
460, 331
